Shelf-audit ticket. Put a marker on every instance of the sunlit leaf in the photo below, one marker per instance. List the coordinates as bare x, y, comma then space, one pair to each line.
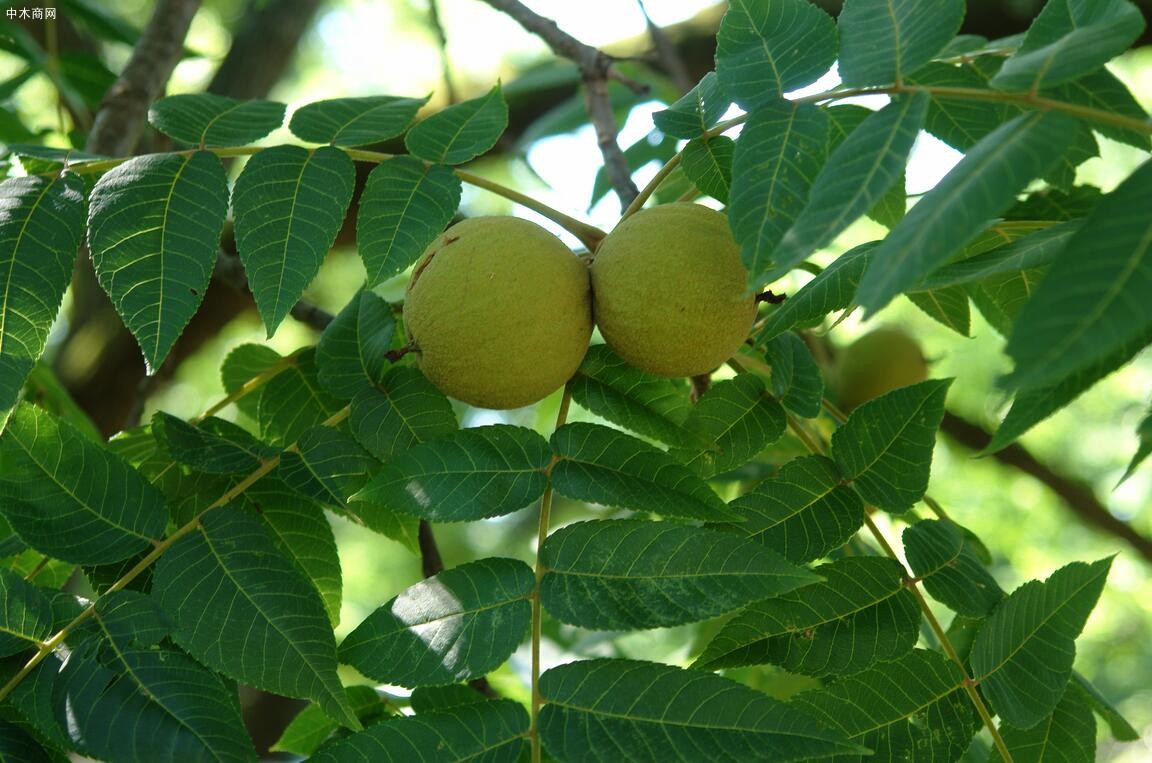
456, 625
311, 726
695, 112
708, 163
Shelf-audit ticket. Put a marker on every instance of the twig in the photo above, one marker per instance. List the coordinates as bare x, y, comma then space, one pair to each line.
666, 52
1077, 496
595, 70
442, 38
123, 114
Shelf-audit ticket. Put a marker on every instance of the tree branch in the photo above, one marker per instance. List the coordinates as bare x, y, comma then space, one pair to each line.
124, 112
262, 47
1077, 496
595, 70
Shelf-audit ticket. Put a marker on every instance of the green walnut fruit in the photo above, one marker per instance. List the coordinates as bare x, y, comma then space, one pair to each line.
876, 363
499, 312
670, 292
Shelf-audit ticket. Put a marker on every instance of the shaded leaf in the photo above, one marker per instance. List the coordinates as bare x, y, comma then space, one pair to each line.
326, 466
796, 379
205, 451
456, 625
885, 448
405, 205
289, 203
777, 157
206, 119
493, 732
311, 727
460, 132
468, 475
293, 401
628, 574
242, 608
1092, 302
351, 352
1022, 656
612, 710
154, 227
245, 363
25, 614
650, 405
403, 410
354, 121
131, 619
803, 512
947, 306
708, 163
1033, 250
859, 615
1067, 735
41, 226
1121, 729
70, 498
943, 558
737, 418
881, 40
1144, 433
605, 466
1101, 90
765, 48
977, 189
695, 112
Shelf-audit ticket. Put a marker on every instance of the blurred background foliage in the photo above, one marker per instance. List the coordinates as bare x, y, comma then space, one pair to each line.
51, 82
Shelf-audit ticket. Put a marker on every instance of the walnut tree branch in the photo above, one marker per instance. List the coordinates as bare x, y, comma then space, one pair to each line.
595, 70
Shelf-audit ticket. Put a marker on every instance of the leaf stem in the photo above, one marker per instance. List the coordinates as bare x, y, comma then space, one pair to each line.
537, 608
652, 185
147, 561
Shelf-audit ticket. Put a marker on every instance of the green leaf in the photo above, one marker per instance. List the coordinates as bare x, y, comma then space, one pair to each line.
293, 401
493, 732
602, 465
803, 512
947, 306
351, 352
1121, 729
245, 363
301, 532
205, 119
1092, 302
1144, 432
737, 418
326, 466
1022, 656
977, 189
1001, 298
70, 498
882, 40
1066, 735
885, 448
187, 711
777, 157
1034, 250
131, 619
453, 626
1069, 39
653, 148
1101, 90
629, 574
241, 607
403, 410
861, 614
708, 163
650, 405
354, 121
205, 451
942, 556
154, 227
289, 204
461, 132
311, 727
856, 176
41, 226
471, 474
1031, 406
695, 112
33, 700
833, 289
960, 122
874, 708
427, 699
613, 710
405, 205
18, 746
25, 614
767, 47
796, 379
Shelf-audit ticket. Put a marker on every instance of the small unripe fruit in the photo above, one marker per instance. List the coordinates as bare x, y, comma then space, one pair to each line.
670, 291
876, 363
499, 311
